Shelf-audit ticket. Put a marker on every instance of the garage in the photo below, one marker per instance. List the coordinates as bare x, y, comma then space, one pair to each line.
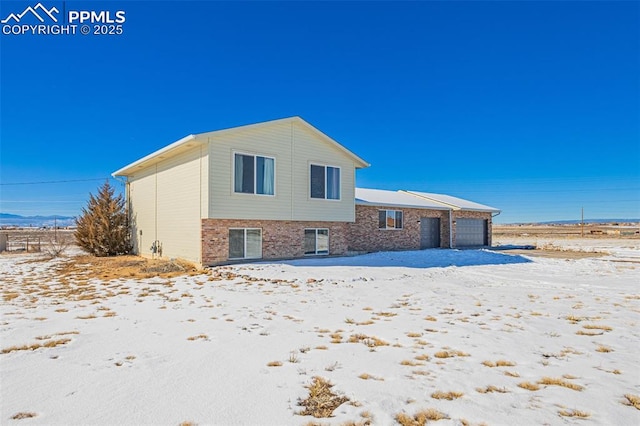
471, 232
429, 232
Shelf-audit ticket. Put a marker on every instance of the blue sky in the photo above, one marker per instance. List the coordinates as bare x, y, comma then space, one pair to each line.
530, 107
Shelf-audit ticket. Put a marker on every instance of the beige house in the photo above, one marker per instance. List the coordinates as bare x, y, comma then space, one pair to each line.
276, 189
281, 189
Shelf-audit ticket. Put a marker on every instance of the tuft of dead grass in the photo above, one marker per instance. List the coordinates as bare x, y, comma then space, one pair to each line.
529, 386
603, 349
552, 381
370, 341
449, 354
632, 400
597, 327
34, 346
367, 376
420, 418
274, 364
322, 401
574, 413
491, 388
23, 415
449, 396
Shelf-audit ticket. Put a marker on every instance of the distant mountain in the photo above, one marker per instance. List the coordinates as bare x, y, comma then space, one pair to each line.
7, 219
577, 222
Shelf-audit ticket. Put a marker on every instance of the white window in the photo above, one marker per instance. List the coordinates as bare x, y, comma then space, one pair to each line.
390, 219
245, 243
325, 182
316, 241
253, 174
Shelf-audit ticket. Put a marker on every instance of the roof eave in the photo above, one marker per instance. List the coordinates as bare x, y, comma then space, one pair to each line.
130, 168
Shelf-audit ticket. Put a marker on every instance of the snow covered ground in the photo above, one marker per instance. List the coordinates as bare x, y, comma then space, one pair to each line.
389, 330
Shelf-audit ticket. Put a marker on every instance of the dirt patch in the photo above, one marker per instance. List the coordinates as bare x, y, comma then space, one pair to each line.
109, 268
556, 254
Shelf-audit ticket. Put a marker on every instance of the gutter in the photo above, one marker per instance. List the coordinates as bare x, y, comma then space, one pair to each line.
177, 144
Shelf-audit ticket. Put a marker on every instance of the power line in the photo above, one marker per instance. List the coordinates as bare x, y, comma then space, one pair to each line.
52, 181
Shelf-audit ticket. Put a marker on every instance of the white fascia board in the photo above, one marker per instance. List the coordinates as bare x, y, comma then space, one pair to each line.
128, 169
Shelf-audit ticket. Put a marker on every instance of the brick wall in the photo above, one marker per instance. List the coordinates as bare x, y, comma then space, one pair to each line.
280, 239
364, 234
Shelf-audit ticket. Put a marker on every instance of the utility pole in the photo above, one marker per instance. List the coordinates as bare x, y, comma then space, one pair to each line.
55, 228
582, 222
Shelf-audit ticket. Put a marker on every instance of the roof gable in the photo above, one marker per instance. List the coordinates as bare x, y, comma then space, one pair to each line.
193, 140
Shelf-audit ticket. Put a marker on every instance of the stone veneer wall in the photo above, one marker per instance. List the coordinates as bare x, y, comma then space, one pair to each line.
473, 215
364, 234
280, 239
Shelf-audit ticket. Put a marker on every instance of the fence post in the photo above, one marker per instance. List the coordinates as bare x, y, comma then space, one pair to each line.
27, 249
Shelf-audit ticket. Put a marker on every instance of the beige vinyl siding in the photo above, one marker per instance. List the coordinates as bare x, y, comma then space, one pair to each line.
142, 189
309, 149
294, 148
272, 141
168, 201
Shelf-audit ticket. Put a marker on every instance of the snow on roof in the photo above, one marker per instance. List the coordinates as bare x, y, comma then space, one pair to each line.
454, 202
419, 200
380, 197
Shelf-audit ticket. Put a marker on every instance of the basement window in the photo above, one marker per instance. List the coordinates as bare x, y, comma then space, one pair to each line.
245, 243
316, 241
390, 219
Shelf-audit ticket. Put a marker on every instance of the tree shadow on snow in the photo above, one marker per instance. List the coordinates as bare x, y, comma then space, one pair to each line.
432, 258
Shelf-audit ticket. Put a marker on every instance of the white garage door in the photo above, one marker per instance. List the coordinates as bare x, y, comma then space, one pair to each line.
471, 232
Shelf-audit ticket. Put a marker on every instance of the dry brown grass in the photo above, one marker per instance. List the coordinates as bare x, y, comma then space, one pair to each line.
449, 354
198, 337
367, 376
322, 401
597, 327
589, 333
632, 400
420, 418
414, 334
274, 364
449, 396
110, 268
430, 318
408, 362
511, 373
551, 381
574, 413
23, 415
603, 349
34, 346
498, 363
529, 386
370, 341
491, 388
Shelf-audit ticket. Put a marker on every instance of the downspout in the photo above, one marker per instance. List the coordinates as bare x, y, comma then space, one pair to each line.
127, 201
451, 228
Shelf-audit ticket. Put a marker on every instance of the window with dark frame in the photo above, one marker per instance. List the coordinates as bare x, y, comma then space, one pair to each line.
245, 243
325, 182
316, 241
254, 174
390, 219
